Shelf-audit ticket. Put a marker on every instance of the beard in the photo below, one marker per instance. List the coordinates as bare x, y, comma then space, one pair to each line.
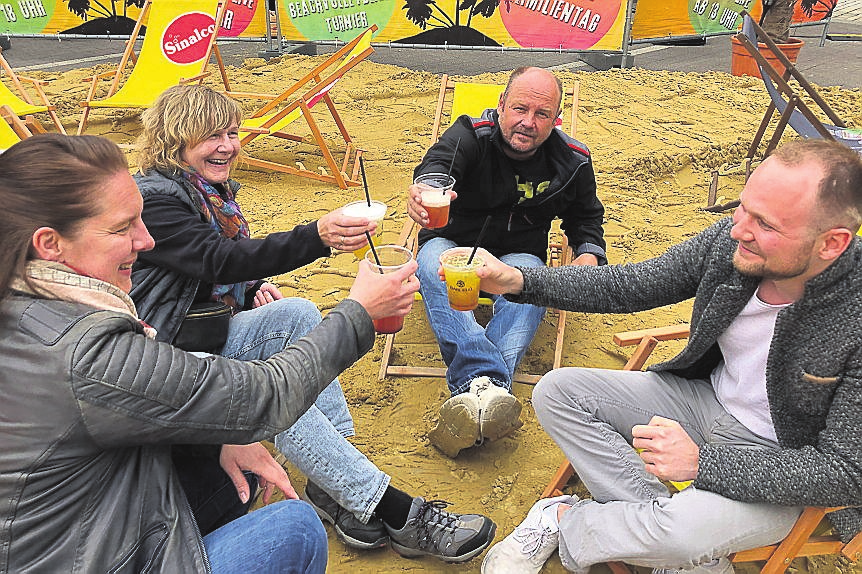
528, 149
792, 266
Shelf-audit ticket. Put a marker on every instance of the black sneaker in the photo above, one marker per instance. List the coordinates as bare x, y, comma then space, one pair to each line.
432, 531
348, 528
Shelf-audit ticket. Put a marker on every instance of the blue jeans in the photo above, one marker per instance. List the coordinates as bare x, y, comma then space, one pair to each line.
316, 442
282, 537
468, 349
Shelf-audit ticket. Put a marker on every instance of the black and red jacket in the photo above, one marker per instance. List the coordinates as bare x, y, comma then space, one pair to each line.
486, 184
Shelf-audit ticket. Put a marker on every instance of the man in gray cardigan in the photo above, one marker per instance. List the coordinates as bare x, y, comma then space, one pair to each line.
762, 410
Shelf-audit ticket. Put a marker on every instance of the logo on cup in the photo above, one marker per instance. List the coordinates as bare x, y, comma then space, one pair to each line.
460, 283
186, 38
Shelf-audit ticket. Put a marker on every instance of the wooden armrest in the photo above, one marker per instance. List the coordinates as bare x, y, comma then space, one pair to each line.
668, 333
194, 78
251, 130
33, 81
251, 95
102, 76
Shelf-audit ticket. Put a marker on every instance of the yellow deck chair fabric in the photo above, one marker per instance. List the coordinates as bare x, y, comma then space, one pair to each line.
176, 49
471, 99
24, 105
12, 129
277, 115
8, 137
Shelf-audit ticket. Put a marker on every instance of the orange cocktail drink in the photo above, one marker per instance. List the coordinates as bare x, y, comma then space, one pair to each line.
436, 195
462, 283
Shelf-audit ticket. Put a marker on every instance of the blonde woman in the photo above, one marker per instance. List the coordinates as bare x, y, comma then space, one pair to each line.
203, 253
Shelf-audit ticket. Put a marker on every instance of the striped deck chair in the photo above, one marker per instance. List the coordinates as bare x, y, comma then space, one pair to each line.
792, 110
24, 106
176, 49
277, 116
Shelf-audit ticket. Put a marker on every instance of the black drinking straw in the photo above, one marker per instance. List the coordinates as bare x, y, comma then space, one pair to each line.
454, 153
479, 238
368, 199
374, 251
365, 182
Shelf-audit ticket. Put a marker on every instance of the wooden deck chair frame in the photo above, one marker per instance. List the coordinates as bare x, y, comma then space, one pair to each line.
777, 557
129, 56
559, 253
282, 110
794, 100
12, 128
23, 105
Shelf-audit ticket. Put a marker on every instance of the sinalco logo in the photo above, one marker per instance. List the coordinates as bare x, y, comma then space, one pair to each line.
186, 38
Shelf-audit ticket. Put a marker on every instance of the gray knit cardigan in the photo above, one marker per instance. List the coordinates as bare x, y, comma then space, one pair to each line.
813, 372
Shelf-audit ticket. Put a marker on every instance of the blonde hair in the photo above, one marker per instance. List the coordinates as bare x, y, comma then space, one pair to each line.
181, 118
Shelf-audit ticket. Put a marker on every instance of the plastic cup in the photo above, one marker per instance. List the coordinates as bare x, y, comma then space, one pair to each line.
392, 258
376, 212
436, 196
462, 283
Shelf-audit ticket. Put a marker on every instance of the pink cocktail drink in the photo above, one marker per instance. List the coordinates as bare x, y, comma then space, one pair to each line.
389, 258
388, 325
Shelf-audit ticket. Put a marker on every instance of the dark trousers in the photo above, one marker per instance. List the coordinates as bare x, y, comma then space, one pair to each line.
211, 494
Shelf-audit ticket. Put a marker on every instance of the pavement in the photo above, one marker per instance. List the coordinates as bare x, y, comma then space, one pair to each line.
837, 63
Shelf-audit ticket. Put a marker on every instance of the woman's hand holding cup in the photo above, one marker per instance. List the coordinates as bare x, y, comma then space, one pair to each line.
344, 232
385, 295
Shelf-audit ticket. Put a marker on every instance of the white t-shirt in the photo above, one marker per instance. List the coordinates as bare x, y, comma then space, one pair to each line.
740, 380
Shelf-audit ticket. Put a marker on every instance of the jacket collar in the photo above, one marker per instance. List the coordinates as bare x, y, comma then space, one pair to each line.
845, 268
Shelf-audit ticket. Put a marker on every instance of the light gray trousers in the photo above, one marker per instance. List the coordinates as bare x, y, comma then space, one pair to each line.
590, 414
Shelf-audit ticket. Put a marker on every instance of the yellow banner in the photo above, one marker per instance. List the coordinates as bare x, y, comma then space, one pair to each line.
667, 18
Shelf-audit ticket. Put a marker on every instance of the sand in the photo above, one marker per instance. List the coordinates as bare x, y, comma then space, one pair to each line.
655, 138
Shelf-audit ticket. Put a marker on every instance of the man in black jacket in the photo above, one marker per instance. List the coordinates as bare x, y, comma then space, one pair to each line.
515, 170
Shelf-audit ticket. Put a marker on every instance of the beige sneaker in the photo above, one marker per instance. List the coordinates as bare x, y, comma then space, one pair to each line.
529, 546
458, 425
499, 410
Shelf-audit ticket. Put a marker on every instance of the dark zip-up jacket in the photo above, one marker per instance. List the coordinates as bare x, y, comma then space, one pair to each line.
188, 252
813, 371
486, 184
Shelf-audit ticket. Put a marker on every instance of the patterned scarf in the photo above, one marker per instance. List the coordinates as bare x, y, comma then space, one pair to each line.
226, 219
54, 280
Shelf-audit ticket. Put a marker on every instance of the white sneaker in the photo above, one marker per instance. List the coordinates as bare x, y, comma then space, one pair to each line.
499, 410
716, 566
458, 425
529, 546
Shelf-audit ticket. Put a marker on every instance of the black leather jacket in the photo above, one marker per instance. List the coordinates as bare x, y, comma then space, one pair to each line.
486, 184
188, 252
90, 410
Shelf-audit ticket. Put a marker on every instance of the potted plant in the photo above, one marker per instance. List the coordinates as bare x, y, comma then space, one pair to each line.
775, 20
